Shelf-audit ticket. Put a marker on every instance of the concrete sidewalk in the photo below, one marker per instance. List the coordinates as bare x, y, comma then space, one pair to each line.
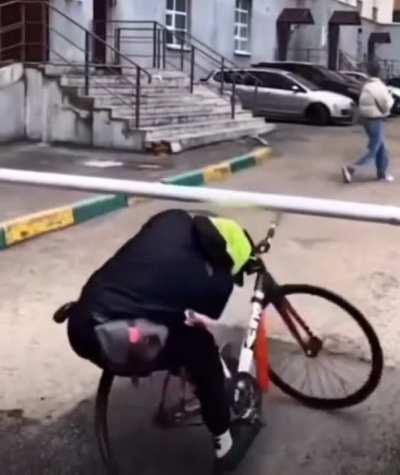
28, 211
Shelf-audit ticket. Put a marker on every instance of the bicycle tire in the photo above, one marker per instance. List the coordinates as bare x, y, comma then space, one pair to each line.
101, 422
377, 360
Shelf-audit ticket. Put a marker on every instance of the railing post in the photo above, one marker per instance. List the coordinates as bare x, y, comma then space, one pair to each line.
118, 46
164, 47
182, 52
192, 64
222, 76
233, 97
45, 37
87, 63
138, 97
158, 49
23, 32
154, 44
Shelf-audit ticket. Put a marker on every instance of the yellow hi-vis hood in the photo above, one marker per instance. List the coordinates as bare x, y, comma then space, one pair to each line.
237, 244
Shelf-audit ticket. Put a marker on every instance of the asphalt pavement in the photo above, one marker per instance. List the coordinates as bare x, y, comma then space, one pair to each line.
19, 200
46, 410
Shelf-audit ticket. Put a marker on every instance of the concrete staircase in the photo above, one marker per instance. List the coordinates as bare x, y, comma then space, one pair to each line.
169, 113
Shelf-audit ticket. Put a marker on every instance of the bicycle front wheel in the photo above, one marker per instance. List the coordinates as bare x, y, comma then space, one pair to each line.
323, 351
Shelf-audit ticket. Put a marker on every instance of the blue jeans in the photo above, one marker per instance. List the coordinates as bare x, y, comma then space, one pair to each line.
376, 147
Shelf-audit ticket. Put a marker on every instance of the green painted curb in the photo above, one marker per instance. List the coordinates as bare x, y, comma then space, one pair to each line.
241, 163
192, 178
2, 239
197, 177
93, 207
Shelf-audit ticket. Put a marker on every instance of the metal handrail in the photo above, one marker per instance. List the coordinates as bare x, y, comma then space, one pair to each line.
89, 37
94, 36
12, 27
223, 63
187, 35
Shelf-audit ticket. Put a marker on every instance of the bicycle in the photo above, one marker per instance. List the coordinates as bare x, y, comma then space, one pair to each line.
248, 377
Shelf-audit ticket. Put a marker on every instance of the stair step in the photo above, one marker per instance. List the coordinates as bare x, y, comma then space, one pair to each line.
159, 102
182, 119
172, 111
120, 83
205, 137
193, 128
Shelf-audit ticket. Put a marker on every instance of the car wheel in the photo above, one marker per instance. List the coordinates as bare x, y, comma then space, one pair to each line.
396, 107
318, 114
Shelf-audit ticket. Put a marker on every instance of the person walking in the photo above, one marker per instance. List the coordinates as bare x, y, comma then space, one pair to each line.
375, 105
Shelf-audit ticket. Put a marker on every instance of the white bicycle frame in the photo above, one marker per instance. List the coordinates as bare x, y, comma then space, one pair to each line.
246, 358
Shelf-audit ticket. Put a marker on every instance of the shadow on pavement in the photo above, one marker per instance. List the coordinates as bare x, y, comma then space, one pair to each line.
68, 445
296, 440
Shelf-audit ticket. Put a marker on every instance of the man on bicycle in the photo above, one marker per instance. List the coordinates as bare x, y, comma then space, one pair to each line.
175, 263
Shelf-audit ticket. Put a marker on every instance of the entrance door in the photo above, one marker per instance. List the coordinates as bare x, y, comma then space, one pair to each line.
100, 30
24, 31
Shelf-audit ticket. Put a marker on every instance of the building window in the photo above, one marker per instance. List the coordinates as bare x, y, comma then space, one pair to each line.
177, 21
242, 26
396, 16
375, 13
360, 6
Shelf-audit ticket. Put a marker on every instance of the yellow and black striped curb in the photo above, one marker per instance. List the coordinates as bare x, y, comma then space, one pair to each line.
33, 225
220, 171
26, 227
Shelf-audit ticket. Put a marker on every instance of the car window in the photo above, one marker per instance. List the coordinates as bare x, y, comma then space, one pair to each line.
301, 81
312, 74
332, 75
275, 80
394, 82
249, 78
227, 77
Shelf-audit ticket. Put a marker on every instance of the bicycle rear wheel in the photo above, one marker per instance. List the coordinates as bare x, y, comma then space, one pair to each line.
342, 356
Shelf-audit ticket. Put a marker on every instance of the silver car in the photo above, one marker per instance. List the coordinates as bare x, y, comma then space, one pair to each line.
283, 95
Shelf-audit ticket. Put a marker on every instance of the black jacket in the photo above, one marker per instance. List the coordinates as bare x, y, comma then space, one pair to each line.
158, 274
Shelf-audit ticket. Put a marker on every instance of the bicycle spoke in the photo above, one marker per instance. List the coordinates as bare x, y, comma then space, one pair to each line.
307, 377
334, 363
332, 384
339, 378
287, 365
320, 378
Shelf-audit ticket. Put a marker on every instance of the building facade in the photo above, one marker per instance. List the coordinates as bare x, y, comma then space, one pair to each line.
244, 31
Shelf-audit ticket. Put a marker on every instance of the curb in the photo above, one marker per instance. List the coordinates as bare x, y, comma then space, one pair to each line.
220, 171
27, 227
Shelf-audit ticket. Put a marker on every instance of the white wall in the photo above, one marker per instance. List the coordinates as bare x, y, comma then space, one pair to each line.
12, 110
212, 21
385, 9
82, 13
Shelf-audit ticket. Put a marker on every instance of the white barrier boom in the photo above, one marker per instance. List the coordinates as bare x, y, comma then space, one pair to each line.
271, 202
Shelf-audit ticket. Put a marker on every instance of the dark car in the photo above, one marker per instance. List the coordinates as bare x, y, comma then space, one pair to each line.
319, 75
395, 82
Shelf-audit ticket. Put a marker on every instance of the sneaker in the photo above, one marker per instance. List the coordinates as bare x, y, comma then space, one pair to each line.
387, 178
231, 447
347, 173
